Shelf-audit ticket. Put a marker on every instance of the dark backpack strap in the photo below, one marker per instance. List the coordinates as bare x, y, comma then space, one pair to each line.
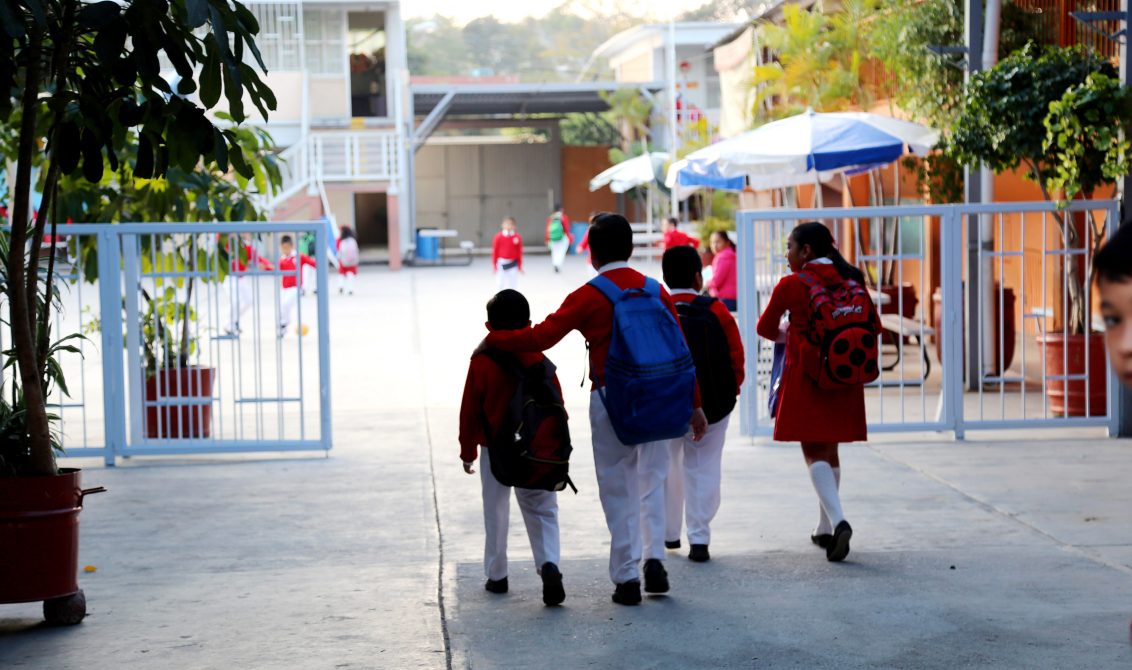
608, 288
704, 301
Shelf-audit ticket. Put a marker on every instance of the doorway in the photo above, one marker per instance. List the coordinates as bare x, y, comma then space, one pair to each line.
371, 220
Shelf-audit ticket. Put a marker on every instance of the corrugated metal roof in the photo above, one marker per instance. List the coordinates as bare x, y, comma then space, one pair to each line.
519, 99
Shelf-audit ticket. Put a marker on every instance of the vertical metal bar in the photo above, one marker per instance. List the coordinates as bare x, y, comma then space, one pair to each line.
110, 301
923, 314
321, 261
1065, 260
976, 312
748, 295
1045, 315
1022, 297
898, 251
135, 374
1000, 357
951, 326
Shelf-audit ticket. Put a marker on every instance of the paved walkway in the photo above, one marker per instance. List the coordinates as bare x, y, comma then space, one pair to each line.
1010, 554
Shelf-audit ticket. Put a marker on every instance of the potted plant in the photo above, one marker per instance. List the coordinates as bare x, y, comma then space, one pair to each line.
79, 77
1062, 115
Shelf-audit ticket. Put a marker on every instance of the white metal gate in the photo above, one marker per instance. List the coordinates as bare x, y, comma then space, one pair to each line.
1014, 375
184, 338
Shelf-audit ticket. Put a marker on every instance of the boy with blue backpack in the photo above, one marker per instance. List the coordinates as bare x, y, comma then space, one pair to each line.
644, 393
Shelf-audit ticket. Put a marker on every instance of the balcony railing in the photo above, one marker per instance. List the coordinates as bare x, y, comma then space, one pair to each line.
339, 157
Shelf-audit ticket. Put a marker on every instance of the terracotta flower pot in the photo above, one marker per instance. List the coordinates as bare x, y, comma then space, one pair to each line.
1065, 355
187, 418
39, 537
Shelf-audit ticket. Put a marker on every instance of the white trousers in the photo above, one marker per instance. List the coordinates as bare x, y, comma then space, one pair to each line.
506, 278
630, 483
540, 514
241, 295
558, 251
692, 486
346, 282
288, 298
310, 278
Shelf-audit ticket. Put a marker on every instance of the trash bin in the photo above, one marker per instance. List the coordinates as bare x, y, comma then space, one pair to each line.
578, 230
428, 247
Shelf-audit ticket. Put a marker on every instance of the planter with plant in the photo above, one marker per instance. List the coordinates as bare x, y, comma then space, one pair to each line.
1062, 116
81, 77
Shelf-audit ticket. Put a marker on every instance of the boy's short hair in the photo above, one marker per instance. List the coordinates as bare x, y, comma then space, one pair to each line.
672, 221
508, 310
1114, 261
286, 239
611, 238
680, 266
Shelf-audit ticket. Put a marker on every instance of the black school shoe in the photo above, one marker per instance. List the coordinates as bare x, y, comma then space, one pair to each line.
699, 553
628, 593
496, 585
656, 577
552, 591
823, 540
838, 547
672, 544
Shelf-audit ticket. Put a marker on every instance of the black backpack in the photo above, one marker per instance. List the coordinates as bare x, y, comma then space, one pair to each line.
531, 447
712, 355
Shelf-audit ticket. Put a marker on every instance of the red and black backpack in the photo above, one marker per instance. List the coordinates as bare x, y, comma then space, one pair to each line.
842, 337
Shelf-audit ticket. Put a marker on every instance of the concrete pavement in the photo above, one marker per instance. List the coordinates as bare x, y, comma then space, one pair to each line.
1015, 553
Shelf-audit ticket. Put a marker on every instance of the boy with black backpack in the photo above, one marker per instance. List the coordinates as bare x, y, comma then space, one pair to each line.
512, 406
643, 394
692, 487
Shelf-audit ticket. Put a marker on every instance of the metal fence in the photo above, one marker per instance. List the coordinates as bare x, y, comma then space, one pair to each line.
196, 340
1024, 360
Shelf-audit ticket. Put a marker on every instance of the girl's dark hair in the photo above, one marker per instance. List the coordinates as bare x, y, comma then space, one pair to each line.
611, 238
346, 232
815, 234
725, 237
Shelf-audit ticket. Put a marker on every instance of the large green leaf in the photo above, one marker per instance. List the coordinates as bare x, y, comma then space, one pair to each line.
210, 74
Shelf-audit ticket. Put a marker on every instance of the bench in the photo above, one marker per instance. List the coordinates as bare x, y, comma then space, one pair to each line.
903, 327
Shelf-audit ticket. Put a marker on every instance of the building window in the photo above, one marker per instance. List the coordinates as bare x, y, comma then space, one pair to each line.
325, 33
280, 35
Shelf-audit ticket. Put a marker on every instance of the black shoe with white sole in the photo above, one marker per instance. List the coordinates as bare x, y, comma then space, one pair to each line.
656, 577
838, 547
552, 591
628, 593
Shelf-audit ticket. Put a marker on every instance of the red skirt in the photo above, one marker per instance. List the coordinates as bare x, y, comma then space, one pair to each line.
808, 413
347, 269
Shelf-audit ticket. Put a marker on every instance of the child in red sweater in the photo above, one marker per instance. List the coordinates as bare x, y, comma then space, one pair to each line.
692, 487
507, 256
630, 478
291, 264
487, 392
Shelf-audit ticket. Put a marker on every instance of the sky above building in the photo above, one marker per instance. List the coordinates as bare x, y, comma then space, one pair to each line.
513, 10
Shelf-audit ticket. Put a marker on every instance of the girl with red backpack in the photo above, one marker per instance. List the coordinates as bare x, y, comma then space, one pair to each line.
822, 278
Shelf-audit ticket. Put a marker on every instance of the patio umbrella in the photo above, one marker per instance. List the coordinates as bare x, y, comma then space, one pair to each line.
630, 173
687, 178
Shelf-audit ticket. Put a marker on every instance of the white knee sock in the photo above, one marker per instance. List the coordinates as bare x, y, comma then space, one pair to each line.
824, 526
825, 483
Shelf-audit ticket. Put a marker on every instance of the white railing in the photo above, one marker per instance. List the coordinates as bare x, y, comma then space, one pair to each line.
356, 156
1020, 369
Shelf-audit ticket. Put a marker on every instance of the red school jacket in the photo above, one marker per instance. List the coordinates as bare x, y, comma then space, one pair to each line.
730, 329
676, 238
287, 266
807, 412
506, 248
587, 311
487, 392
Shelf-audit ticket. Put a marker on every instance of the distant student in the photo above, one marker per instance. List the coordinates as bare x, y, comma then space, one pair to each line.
289, 296
1112, 268
724, 282
487, 393
630, 471
813, 409
692, 487
348, 258
507, 255
673, 237
558, 237
241, 286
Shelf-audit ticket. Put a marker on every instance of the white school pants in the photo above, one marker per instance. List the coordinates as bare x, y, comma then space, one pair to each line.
540, 514
558, 251
241, 293
692, 487
506, 278
288, 297
630, 483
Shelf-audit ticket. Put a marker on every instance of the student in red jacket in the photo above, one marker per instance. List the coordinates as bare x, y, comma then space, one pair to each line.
818, 418
486, 393
630, 478
507, 255
692, 487
240, 286
673, 237
292, 281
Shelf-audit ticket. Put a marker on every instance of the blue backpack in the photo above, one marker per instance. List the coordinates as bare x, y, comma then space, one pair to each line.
650, 378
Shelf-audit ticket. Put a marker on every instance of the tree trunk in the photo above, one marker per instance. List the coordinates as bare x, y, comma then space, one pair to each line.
41, 458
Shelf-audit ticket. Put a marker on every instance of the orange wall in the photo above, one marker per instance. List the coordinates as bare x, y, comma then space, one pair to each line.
579, 165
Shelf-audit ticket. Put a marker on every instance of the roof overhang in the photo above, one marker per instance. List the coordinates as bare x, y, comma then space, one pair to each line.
518, 99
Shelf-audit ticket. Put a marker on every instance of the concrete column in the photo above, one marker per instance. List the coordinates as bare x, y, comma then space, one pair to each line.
393, 218
973, 24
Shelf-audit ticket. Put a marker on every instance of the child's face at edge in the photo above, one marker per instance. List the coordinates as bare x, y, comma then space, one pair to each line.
1116, 309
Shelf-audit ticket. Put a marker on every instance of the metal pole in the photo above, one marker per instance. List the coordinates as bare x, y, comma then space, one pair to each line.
670, 58
985, 282
973, 24
1123, 395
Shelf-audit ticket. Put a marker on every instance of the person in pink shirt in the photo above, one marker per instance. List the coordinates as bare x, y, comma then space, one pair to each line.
724, 278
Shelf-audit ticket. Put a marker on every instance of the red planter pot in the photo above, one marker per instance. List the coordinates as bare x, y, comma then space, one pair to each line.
1068, 398
188, 418
39, 537
1008, 328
